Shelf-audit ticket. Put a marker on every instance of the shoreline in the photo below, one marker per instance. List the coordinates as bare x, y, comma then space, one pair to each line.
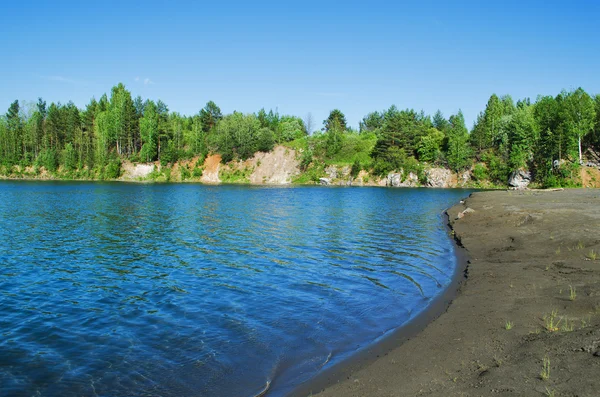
528, 250
271, 185
395, 337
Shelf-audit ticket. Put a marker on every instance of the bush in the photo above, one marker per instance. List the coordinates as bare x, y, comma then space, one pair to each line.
112, 170
184, 172
356, 168
48, 159
69, 158
480, 173
307, 159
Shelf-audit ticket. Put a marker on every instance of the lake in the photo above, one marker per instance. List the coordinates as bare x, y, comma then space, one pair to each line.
117, 289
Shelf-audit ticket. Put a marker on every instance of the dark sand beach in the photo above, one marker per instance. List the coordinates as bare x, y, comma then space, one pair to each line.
526, 319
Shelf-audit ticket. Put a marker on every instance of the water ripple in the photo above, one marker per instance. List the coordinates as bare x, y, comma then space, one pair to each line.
168, 290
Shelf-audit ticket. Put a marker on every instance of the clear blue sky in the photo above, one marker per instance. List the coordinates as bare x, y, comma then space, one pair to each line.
309, 56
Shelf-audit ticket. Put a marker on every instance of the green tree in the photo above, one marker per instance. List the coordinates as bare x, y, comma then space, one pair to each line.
578, 114
236, 136
430, 147
149, 131
13, 134
122, 120
522, 137
371, 122
459, 150
289, 128
210, 115
336, 120
440, 122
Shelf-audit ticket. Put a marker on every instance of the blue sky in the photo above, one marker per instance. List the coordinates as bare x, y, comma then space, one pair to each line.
309, 56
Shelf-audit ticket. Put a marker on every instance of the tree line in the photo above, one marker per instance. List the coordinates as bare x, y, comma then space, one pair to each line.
547, 137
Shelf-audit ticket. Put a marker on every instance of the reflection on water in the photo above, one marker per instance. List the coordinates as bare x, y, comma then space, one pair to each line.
169, 290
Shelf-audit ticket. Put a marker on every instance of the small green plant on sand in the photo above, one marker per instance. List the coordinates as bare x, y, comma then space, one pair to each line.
552, 322
592, 255
572, 293
567, 326
508, 326
550, 392
498, 361
580, 245
545, 374
557, 251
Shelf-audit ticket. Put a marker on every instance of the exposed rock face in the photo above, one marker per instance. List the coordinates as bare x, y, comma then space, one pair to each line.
465, 177
438, 177
332, 172
274, 168
211, 169
519, 179
338, 176
136, 171
324, 181
394, 179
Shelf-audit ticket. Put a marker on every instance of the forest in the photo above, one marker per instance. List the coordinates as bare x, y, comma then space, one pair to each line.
548, 137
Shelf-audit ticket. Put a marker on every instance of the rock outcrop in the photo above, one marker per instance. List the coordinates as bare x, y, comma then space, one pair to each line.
274, 168
439, 177
212, 164
138, 171
394, 179
519, 179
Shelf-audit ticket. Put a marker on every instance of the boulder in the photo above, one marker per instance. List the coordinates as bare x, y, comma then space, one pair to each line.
324, 181
331, 172
438, 177
465, 177
411, 180
393, 179
519, 179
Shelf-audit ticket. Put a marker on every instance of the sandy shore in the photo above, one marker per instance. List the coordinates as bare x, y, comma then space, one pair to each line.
530, 302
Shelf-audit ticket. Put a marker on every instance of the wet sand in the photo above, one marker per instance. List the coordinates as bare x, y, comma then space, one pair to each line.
530, 297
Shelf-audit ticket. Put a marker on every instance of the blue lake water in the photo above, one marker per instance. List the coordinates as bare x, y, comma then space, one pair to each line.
115, 289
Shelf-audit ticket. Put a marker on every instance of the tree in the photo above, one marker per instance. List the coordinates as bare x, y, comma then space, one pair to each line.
595, 136
14, 128
371, 122
210, 115
236, 136
336, 119
578, 114
485, 131
122, 120
290, 128
149, 132
522, 136
459, 151
440, 122
430, 146
308, 123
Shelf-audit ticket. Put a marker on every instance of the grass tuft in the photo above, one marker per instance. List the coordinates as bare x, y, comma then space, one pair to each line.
567, 327
552, 322
550, 393
508, 326
545, 374
592, 255
572, 293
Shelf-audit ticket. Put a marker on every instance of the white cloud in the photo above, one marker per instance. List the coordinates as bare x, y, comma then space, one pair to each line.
148, 81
